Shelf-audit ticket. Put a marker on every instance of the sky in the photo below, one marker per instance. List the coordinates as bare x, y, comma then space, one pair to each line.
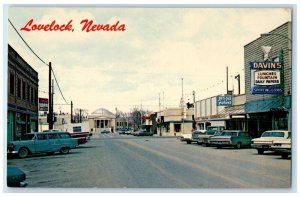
162, 50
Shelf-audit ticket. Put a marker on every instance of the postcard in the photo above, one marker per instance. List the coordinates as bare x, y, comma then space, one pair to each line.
157, 97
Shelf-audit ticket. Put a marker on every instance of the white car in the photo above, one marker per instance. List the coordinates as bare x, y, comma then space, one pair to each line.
185, 137
265, 142
283, 147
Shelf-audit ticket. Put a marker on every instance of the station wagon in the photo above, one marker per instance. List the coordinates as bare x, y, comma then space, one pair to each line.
46, 142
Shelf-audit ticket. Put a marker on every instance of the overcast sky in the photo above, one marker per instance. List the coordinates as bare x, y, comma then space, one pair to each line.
131, 68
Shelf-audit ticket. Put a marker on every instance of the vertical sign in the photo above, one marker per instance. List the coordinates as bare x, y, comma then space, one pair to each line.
266, 78
43, 104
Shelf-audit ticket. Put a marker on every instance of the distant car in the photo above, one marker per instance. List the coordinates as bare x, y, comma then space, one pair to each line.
210, 132
128, 131
122, 131
105, 131
283, 147
15, 177
195, 135
143, 133
185, 137
42, 142
233, 138
265, 142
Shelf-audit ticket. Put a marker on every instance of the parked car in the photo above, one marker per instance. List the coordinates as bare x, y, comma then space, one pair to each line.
143, 133
42, 142
82, 137
185, 137
105, 131
128, 131
195, 135
210, 132
234, 138
283, 147
265, 142
122, 131
15, 177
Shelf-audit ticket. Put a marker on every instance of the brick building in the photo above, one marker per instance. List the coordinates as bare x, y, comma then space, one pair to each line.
22, 96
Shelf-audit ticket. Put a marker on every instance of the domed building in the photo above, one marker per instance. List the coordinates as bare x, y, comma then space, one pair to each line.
102, 120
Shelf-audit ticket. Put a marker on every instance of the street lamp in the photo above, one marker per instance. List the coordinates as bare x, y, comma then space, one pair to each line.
237, 77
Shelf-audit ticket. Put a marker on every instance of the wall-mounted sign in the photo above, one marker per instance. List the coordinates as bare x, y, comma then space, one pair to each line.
224, 100
43, 104
266, 78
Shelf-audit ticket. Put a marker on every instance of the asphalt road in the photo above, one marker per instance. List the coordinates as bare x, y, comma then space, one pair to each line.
113, 161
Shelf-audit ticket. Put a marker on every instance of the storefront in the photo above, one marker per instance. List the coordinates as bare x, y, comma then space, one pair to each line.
269, 81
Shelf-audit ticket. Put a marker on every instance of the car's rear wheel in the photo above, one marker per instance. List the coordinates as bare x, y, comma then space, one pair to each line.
64, 150
284, 156
23, 152
50, 153
188, 142
238, 145
260, 151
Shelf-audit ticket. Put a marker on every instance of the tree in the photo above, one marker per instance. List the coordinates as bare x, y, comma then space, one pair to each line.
80, 115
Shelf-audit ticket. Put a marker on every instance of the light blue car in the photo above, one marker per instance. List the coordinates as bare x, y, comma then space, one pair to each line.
46, 142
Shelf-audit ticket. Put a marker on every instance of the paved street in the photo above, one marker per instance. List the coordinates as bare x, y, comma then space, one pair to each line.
125, 161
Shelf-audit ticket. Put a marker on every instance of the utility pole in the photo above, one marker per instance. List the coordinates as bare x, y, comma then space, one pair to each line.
182, 106
71, 111
50, 114
160, 122
141, 116
194, 103
238, 78
80, 115
227, 79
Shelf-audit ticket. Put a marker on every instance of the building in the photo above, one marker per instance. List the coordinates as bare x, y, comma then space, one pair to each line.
268, 81
122, 122
102, 120
63, 122
221, 110
175, 121
22, 96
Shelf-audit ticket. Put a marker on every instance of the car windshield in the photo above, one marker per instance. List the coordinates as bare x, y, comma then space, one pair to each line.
228, 133
210, 132
273, 134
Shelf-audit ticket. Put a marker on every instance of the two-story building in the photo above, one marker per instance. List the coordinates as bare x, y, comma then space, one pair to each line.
22, 96
268, 81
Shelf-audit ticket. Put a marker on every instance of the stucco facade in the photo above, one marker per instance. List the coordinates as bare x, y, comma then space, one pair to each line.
173, 122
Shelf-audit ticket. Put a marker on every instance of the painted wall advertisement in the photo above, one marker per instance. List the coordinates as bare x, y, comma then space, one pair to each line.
266, 78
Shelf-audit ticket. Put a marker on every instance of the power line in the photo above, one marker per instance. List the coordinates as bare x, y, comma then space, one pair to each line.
39, 59
27, 44
59, 87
